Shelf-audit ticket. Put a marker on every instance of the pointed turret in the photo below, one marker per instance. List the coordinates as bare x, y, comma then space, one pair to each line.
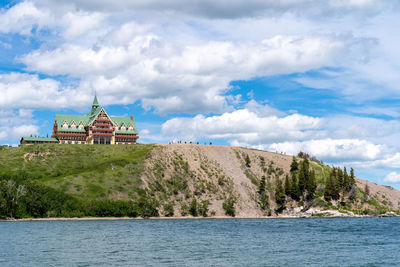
95, 104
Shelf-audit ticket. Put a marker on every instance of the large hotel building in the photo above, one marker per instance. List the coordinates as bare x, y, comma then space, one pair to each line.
94, 128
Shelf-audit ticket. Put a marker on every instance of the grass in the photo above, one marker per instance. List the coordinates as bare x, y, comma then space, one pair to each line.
86, 171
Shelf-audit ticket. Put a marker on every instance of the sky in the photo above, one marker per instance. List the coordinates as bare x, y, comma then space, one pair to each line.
279, 75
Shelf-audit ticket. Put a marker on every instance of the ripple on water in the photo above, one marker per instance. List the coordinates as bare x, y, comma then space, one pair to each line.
230, 242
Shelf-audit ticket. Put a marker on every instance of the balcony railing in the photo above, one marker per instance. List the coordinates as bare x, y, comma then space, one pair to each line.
102, 134
127, 136
102, 130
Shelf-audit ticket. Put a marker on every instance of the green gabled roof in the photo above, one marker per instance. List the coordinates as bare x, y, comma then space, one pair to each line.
41, 139
60, 118
92, 115
126, 121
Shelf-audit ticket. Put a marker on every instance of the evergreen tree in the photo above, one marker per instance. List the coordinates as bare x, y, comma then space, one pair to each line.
264, 201
346, 179
331, 187
294, 166
311, 185
352, 178
193, 207
261, 185
247, 161
280, 196
366, 189
294, 189
340, 178
304, 176
288, 186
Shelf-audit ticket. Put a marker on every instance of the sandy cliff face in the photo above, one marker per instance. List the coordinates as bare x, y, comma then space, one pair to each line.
215, 173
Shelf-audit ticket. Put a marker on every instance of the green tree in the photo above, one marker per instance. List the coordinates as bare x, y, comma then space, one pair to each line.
332, 188
264, 201
346, 180
295, 190
193, 207
304, 176
352, 178
247, 161
169, 210
229, 206
11, 193
311, 185
203, 209
294, 166
288, 186
280, 197
261, 185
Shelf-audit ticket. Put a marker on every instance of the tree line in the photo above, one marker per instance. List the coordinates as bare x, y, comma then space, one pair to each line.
21, 197
301, 185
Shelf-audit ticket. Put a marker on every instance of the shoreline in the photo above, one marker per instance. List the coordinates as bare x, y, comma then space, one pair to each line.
185, 218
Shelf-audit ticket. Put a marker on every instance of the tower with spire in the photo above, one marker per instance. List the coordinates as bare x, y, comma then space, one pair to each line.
95, 104
96, 127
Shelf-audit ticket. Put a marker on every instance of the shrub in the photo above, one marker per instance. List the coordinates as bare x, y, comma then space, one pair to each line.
193, 207
203, 209
229, 206
169, 210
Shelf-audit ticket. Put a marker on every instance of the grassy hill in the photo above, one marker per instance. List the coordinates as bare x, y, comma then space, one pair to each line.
169, 180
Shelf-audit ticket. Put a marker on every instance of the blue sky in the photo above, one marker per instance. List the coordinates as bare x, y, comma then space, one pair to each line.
316, 76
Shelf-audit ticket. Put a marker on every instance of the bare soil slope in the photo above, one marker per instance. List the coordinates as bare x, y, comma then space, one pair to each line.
208, 166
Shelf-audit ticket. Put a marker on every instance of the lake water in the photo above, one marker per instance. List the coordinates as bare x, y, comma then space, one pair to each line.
205, 242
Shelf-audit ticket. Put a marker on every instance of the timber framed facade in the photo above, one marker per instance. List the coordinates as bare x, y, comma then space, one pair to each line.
97, 127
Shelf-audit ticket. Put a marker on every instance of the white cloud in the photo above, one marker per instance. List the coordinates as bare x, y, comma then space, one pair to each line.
16, 123
359, 142
78, 23
19, 90
334, 150
244, 125
144, 132
22, 18
392, 177
231, 9
193, 78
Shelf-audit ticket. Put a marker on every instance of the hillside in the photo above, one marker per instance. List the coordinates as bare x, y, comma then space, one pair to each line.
172, 180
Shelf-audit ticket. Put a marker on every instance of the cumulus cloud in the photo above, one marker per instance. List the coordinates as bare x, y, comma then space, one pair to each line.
230, 9
334, 150
244, 125
357, 141
78, 23
172, 79
392, 177
16, 123
23, 17
19, 90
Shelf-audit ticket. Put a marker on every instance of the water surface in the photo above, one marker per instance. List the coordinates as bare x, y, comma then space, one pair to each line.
205, 242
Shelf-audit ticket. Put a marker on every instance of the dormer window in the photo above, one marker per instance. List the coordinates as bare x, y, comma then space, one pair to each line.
123, 127
81, 126
65, 125
73, 125
130, 128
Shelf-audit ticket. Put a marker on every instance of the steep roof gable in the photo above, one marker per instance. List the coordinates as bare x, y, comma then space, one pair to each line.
127, 121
